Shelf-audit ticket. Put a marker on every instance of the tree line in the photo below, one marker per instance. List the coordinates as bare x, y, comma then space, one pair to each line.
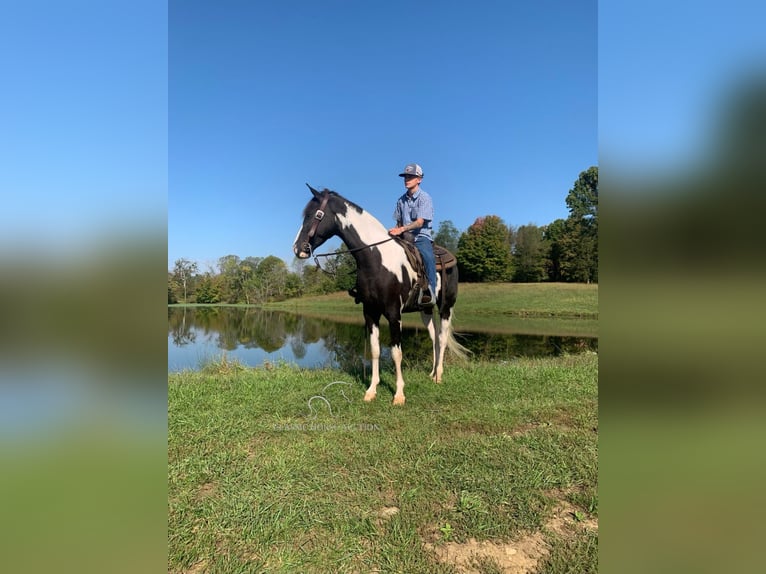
490, 250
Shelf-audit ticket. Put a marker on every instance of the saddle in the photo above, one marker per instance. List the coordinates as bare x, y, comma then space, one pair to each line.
444, 260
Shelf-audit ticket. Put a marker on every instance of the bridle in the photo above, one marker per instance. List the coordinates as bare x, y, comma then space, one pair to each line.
319, 215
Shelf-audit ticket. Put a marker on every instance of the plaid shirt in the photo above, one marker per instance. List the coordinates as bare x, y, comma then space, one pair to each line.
408, 209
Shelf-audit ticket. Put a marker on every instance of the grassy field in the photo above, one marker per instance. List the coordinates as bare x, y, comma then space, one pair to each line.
277, 469
533, 308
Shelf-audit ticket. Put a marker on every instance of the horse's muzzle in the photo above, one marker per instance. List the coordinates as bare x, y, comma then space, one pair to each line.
303, 251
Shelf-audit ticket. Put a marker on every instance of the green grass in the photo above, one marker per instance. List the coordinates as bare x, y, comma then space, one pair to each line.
563, 300
531, 308
264, 477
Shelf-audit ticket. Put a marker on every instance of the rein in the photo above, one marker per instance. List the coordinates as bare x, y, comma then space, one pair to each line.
341, 252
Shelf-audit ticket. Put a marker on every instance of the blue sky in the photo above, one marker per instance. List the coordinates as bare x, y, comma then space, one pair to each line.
214, 114
666, 72
496, 100
83, 122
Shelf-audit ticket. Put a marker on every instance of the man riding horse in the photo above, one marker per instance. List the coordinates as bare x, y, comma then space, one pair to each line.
414, 213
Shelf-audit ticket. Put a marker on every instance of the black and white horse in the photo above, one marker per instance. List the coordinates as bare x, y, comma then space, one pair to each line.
385, 280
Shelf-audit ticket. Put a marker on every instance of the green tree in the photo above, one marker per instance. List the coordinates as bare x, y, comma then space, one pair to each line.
183, 272
343, 268
484, 251
248, 279
171, 293
316, 282
231, 279
579, 243
529, 254
582, 199
553, 234
293, 287
447, 235
208, 290
579, 256
272, 278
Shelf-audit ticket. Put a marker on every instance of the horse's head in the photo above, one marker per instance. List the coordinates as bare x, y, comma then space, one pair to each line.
317, 225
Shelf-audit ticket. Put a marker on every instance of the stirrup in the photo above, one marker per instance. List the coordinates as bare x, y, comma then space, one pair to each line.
430, 298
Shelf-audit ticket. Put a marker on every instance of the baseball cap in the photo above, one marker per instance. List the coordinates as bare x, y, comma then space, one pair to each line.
412, 169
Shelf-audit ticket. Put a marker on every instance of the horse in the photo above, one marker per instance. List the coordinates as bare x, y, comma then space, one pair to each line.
386, 281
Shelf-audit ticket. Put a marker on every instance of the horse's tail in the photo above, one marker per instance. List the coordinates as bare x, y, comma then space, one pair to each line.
452, 344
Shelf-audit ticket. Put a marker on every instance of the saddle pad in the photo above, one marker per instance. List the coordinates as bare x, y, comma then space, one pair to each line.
444, 259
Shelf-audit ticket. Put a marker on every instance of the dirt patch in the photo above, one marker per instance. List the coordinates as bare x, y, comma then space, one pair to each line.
567, 519
385, 514
206, 491
522, 429
197, 568
518, 557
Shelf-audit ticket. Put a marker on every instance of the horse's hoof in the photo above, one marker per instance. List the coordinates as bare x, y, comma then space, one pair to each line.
368, 397
398, 400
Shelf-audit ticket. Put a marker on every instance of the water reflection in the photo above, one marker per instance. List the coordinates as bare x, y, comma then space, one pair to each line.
254, 336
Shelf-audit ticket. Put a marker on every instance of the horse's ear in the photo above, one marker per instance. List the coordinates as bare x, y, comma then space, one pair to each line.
314, 191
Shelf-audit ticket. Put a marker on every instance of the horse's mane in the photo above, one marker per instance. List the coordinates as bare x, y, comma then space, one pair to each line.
339, 196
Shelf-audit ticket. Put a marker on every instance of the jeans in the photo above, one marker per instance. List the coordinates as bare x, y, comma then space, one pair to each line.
426, 248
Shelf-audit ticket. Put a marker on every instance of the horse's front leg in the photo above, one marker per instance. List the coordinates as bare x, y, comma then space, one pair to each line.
395, 327
374, 332
372, 326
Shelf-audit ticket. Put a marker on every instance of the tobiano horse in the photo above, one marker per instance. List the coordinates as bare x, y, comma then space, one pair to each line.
385, 283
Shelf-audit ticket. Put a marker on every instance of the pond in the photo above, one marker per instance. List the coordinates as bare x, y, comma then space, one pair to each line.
197, 335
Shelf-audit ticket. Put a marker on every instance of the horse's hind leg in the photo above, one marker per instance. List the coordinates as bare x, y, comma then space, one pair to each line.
433, 331
444, 332
395, 329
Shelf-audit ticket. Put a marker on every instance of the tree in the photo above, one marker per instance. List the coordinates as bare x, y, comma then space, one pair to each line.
208, 290
183, 272
579, 243
228, 268
484, 251
579, 254
271, 278
171, 296
343, 268
553, 234
582, 199
248, 278
293, 286
447, 235
316, 282
529, 254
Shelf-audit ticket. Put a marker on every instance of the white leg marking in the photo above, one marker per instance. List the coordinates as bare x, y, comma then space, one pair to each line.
396, 355
433, 332
445, 330
375, 354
